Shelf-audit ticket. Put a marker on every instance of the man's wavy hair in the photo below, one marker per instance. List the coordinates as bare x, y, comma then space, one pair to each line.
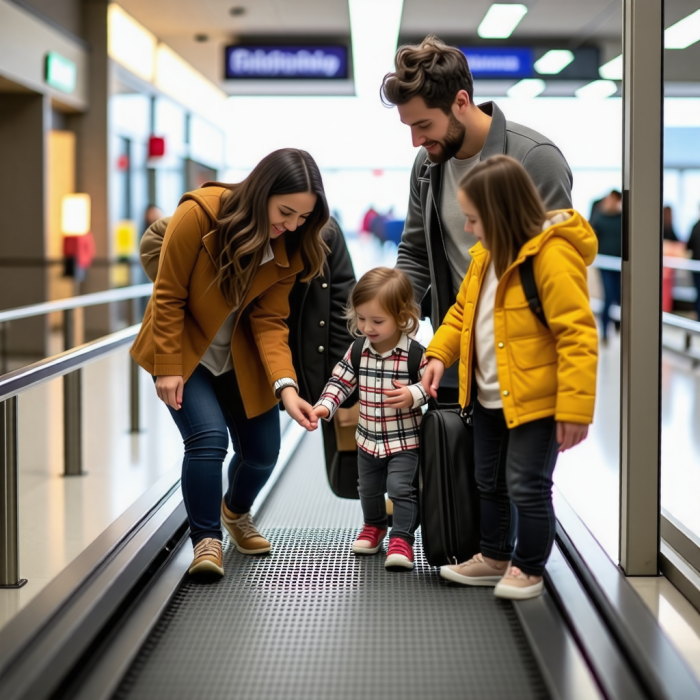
431, 70
393, 290
243, 228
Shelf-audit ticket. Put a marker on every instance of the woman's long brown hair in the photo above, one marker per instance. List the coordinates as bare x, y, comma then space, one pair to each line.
509, 206
243, 228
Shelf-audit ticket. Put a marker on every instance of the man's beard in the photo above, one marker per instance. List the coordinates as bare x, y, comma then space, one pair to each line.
454, 138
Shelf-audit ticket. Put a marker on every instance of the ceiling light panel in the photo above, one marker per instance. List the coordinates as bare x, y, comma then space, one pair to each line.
612, 70
684, 33
597, 90
527, 88
554, 62
500, 21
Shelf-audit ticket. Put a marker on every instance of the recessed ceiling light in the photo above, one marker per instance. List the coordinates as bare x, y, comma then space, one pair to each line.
554, 61
529, 87
201, 38
500, 21
597, 90
237, 11
684, 33
612, 70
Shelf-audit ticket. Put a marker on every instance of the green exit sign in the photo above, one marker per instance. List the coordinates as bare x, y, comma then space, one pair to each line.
61, 72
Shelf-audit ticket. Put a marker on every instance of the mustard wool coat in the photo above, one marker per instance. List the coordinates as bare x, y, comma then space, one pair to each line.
187, 308
541, 372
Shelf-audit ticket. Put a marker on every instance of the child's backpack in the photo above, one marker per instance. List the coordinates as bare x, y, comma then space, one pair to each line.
342, 475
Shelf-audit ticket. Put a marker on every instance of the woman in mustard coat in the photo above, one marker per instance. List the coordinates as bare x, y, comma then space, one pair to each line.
215, 340
535, 383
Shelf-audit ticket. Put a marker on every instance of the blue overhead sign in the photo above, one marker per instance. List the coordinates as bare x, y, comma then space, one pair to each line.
499, 62
286, 62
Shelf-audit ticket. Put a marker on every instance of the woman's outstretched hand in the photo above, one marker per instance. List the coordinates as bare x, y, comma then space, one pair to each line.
301, 411
570, 434
432, 376
169, 389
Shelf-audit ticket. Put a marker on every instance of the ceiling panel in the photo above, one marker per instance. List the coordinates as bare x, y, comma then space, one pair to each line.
173, 18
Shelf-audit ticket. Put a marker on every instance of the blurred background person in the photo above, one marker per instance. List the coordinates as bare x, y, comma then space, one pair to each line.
607, 224
694, 251
669, 233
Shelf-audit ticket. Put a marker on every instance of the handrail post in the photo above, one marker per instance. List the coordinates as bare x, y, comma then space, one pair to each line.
68, 329
72, 424
9, 496
135, 395
3, 347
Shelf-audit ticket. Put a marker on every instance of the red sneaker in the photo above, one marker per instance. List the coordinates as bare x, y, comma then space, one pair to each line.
400, 555
369, 540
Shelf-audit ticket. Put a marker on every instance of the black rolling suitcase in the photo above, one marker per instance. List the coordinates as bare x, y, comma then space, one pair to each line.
448, 494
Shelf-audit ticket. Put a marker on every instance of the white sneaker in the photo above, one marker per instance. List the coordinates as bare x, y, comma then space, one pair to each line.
516, 585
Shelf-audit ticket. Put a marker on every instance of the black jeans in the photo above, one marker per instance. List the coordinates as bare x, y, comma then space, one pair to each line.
514, 474
396, 475
611, 292
211, 410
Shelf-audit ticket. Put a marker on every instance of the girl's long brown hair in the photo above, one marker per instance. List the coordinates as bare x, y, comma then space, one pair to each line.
243, 228
509, 206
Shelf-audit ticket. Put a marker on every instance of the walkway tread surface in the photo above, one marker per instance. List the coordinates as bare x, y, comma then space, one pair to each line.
314, 621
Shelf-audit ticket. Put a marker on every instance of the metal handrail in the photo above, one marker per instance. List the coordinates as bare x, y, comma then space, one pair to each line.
25, 378
138, 291
67, 364
612, 262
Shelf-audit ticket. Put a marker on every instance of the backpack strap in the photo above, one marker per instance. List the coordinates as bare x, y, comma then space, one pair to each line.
415, 355
356, 356
527, 279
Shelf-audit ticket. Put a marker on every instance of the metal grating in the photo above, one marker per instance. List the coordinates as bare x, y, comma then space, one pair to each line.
313, 621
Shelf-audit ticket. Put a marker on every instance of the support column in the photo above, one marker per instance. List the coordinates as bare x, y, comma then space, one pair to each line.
641, 286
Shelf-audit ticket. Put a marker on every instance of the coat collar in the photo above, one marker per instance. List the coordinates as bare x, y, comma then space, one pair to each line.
495, 143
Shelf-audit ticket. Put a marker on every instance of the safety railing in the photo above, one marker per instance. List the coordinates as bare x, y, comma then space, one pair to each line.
11, 386
72, 382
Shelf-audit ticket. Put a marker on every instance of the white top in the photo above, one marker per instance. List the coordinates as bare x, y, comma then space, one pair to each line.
457, 241
217, 359
489, 393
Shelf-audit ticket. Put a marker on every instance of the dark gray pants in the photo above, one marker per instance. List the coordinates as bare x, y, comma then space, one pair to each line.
396, 476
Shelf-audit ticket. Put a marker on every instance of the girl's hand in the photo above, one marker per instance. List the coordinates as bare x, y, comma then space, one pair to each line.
432, 376
321, 412
401, 397
570, 434
298, 409
169, 389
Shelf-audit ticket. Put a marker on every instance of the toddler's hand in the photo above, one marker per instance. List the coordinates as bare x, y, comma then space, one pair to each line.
321, 412
401, 397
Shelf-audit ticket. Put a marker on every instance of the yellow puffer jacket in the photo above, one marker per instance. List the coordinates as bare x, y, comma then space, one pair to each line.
541, 372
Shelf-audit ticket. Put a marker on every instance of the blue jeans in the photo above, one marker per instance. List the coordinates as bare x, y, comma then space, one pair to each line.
211, 410
397, 476
514, 474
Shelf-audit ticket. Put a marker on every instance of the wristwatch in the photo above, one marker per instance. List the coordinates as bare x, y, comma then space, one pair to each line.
283, 384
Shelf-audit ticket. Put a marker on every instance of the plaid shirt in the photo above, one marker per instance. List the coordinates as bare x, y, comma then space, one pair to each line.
381, 431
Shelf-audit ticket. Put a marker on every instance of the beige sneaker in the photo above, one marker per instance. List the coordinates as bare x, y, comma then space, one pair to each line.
243, 532
516, 585
475, 572
208, 557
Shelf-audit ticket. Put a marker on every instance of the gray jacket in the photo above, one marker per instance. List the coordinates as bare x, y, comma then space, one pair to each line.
423, 241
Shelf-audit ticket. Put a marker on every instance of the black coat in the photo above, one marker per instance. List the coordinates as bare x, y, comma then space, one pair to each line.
318, 331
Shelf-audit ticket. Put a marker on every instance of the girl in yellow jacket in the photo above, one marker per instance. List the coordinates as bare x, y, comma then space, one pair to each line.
534, 385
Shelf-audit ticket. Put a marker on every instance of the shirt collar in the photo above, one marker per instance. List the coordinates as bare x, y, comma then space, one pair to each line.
268, 255
401, 345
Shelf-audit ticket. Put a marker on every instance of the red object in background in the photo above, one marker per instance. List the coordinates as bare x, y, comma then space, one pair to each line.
156, 147
123, 162
82, 248
378, 172
667, 289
